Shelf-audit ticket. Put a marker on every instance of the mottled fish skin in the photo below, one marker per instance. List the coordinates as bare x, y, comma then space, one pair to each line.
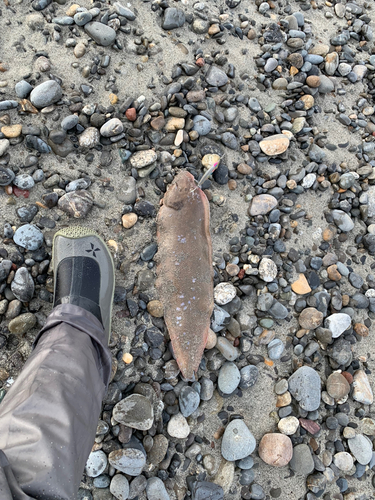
185, 274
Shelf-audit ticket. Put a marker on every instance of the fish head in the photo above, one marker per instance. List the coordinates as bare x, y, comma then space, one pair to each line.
180, 191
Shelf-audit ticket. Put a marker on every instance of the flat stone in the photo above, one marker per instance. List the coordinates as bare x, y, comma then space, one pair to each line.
202, 125
188, 401
267, 270
22, 323
28, 236
129, 461
178, 427
337, 386
12, 131
155, 489
216, 77
238, 442
135, 411
302, 461
158, 450
142, 159
274, 145
77, 204
310, 318
224, 293
361, 447
173, 18
301, 286
45, 94
119, 487
288, 425
229, 378
338, 323
112, 128
4, 146
343, 461
101, 33
89, 138
362, 389
204, 490
124, 11
225, 476
262, 204
342, 220
304, 385
275, 449
227, 349
96, 463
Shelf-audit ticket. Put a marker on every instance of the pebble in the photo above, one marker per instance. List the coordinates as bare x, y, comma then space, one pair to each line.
173, 18
249, 376
24, 181
227, 349
362, 389
337, 386
101, 33
304, 385
69, 122
267, 270
302, 461
229, 378
201, 125
224, 293
22, 285
77, 204
23, 89
112, 128
89, 138
338, 323
158, 450
22, 324
178, 427
262, 204
275, 449
361, 447
301, 286
188, 401
274, 145
216, 77
238, 442
142, 159
275, 349
119, 487
342, 220
28, 236
45, 94
288, 425
96, 463
129, 461
343, 461
135, 411
155, 489
204, 490
4, 146
310, 318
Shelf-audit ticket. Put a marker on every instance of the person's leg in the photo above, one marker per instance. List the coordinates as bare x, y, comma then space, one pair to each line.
49, 416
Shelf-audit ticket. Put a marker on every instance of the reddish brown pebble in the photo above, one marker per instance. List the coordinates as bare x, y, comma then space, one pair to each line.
131, 114
361, 330
276, 449
244, 169
200, 62
232, 184
309, 425
348, 376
